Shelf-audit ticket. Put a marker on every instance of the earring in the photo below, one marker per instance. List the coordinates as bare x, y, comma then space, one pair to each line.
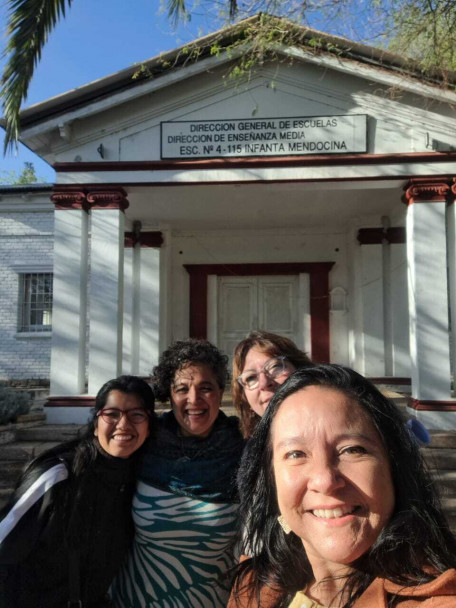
283, 524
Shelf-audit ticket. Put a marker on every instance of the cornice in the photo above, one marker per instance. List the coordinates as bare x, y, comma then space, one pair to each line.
425, 190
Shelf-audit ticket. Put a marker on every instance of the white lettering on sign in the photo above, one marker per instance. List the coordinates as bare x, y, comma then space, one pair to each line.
265, 137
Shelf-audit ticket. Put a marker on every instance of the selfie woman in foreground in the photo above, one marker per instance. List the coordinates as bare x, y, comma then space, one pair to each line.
68, 526
337, 505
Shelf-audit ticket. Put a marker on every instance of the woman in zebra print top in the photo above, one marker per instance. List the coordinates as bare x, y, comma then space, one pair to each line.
185, 507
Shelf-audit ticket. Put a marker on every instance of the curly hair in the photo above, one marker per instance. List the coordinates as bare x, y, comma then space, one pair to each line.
181, 354
414, 546
272, 345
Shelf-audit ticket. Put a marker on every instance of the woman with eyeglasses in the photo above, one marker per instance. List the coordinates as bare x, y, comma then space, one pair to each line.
185, 507
261, 363
68, 526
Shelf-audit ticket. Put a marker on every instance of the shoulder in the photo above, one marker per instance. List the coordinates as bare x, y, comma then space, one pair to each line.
39, 494
39, 481
438, 593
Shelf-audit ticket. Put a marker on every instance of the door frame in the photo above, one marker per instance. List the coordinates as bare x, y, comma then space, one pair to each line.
319, 296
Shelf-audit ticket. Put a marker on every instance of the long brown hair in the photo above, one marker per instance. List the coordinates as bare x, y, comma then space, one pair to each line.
272, 345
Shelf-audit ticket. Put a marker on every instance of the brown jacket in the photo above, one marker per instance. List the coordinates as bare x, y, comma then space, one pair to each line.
440, 593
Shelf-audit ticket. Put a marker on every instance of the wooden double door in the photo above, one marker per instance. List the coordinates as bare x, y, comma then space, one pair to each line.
248, 303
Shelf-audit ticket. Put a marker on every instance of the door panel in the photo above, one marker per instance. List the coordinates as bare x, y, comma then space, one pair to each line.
249, 303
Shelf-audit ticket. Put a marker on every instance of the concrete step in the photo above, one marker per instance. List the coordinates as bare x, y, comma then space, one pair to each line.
5, 493
443, 439
49, 432
10, 473
23, 451
440, 458
449, 505
446, 481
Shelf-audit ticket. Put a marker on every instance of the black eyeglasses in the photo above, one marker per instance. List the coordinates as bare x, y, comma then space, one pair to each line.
273, 368
112, 415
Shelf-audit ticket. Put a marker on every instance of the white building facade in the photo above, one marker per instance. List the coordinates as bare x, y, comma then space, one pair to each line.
308, 201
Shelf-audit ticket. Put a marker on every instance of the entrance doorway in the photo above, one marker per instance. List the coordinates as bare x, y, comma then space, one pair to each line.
256, 302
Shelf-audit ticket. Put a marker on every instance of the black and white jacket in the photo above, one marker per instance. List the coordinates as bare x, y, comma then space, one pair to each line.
54, 512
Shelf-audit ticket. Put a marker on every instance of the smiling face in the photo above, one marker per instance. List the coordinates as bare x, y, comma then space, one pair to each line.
332, 475
195, 398
122, 438
259, 398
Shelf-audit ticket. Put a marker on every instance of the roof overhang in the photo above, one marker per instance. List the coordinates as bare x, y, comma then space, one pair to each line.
165, 69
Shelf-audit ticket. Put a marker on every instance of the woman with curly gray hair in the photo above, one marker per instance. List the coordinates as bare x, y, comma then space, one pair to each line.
185, 507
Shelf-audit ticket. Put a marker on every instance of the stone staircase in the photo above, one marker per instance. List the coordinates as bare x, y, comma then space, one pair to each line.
22, 442
440, 456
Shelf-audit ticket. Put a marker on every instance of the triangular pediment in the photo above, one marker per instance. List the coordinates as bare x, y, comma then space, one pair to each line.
120, 118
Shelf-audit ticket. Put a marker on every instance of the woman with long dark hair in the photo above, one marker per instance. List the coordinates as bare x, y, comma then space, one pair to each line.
68, 526
261, 363
337, 504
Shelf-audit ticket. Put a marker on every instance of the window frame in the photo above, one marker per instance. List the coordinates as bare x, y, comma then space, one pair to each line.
24, 327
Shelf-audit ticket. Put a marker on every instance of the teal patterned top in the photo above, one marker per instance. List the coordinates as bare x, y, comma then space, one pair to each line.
179, 553
185, 515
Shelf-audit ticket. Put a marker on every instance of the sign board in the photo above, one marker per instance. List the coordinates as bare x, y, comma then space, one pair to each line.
264, 137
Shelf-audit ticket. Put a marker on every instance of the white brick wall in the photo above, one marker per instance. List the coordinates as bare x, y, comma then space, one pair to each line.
26, 238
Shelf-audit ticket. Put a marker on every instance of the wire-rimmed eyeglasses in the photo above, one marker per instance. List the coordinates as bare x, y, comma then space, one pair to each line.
112, 415
273, 368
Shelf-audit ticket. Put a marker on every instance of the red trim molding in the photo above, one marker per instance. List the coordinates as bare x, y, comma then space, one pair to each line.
319, 295
108, 198
69, 199
376, 236
77, 401
146, 239
427, 190
427, 405
275, 161
84, 197
399, 381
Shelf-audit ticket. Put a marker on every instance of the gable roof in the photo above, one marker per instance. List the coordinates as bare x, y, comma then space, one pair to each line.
304, 40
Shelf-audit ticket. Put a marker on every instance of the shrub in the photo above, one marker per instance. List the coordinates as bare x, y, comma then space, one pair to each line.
12, 404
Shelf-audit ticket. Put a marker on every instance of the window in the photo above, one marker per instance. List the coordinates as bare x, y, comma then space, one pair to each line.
35, 303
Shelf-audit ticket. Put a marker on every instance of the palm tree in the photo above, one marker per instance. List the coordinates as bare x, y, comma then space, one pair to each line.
29, 24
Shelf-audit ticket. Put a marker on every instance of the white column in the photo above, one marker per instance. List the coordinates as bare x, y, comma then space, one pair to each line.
106, 287
355, 300
166, 295
428, 298
372, 305
149, 310
451, 218
70, 295
128, 321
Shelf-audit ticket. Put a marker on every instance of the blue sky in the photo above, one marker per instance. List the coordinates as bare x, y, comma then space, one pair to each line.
99, 37
96, 38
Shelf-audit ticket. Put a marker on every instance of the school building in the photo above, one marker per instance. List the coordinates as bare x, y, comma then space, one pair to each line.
314, 200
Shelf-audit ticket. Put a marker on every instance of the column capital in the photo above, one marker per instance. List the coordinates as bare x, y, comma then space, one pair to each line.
107, 198
69, 199
426, 190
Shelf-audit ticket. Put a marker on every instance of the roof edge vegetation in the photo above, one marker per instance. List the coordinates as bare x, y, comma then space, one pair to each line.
262, 37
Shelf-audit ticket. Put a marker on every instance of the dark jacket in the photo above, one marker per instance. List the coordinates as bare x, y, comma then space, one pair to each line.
36, 536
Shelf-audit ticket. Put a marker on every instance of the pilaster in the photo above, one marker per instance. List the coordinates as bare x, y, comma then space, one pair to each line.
70, 293
107, 207
428, 300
